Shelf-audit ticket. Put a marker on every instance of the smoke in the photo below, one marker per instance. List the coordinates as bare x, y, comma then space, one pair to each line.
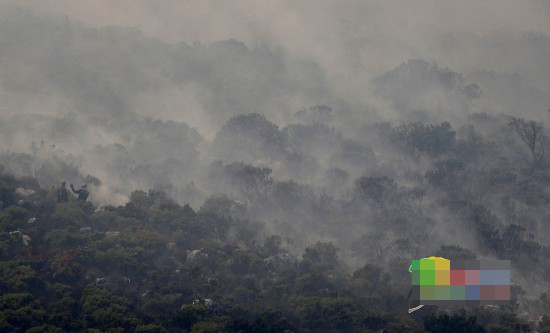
324, 53
352, 41
203, 98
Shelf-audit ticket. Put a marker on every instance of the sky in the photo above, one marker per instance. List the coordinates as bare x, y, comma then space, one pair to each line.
502, 45
352, 40
339, 34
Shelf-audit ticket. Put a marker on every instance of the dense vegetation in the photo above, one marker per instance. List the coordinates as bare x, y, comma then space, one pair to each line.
153, 265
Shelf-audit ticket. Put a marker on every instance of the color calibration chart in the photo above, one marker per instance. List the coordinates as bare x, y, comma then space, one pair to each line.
439, 281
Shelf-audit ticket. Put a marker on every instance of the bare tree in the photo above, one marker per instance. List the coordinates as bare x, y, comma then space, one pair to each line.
532, 134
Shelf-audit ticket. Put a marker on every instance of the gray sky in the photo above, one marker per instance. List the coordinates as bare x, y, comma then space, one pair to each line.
353, 40
335, 33
501, 44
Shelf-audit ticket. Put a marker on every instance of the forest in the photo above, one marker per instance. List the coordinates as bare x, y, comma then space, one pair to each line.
239, 187
153, 265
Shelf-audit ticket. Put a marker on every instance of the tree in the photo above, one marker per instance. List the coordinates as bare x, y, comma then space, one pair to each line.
445, 174
251, 133
378, 189
325, 253
150, 328
271, 321
318, 114
471, 146
336, 177
7, 196
369, 277
355, 152
544, 324
433, 140
421, 85
454, 323
189, 315
532, 134
291, 196
253, 183
223, 207
329, 314
105, 311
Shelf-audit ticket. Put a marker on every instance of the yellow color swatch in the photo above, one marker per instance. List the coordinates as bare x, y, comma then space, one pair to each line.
442, 278
442, 265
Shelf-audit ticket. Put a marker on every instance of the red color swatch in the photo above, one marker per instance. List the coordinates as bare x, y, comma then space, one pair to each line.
457, 277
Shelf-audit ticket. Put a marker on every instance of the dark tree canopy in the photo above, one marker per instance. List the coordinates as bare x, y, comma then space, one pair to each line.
531, 133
